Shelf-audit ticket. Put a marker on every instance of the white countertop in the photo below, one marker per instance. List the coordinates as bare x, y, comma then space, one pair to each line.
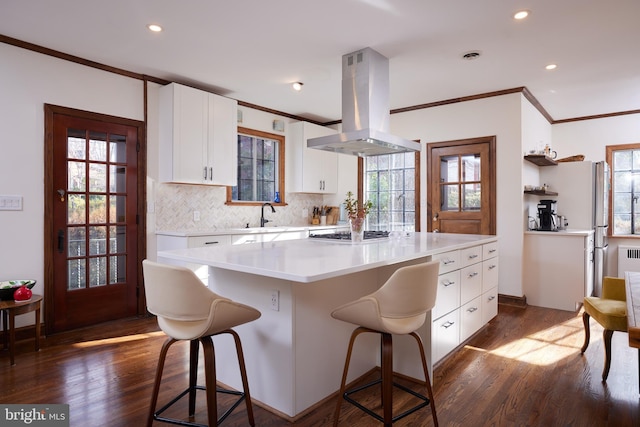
567, 232
309, 260
251, 230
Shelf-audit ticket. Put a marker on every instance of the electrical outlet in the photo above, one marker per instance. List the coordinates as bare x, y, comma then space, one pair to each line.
305, 212
196, 215
275, 300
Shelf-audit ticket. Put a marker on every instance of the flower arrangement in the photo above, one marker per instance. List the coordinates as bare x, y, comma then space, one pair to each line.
353, 210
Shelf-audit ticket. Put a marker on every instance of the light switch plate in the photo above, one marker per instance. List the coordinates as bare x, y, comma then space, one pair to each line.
10, 203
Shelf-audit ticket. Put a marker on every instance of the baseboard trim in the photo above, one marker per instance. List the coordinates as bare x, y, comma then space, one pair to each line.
513, 300
24, 333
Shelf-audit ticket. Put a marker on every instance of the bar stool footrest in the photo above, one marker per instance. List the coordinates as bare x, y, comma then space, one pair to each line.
348, 398
157, 415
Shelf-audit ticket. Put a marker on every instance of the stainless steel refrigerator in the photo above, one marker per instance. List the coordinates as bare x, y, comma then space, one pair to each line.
583, 198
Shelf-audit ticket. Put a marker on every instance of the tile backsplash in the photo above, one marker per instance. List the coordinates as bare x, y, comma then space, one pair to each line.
175, 205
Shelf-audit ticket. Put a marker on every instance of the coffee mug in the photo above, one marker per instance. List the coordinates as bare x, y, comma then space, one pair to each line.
553, 154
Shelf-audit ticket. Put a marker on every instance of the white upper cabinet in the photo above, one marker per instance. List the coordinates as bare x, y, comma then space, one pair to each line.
198, 136
309, 170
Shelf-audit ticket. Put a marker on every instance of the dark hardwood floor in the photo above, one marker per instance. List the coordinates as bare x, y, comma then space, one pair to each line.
524, 369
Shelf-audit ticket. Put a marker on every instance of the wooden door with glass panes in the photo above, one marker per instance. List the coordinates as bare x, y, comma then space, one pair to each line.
461, 183
94, 219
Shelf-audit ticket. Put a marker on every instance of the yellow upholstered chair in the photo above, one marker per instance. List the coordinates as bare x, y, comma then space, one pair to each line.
610, 311
188, 310
399, 307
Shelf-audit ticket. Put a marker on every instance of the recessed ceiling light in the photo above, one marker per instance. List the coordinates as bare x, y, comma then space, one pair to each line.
154, 27
297, 86
551, 67
521, 14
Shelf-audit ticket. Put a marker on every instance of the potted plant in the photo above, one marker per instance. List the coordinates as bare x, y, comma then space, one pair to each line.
357, 214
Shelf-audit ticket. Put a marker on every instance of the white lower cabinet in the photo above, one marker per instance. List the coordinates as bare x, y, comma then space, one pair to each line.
467, 296
168, 242
470, 318
446, 334
489, 304
448, 296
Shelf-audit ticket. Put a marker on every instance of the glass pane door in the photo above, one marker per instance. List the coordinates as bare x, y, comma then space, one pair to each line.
96, 209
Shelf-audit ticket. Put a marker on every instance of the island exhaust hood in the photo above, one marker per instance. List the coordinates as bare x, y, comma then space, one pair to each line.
365, 110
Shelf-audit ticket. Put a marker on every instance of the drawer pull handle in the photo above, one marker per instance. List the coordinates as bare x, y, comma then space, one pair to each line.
474, 274
472, 309
448, 261
447, 324
491, 298
473, 256
211, 243
491, 267
448, 283
491, 251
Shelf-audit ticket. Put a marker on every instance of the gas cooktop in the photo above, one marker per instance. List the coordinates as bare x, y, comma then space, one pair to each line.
368, 235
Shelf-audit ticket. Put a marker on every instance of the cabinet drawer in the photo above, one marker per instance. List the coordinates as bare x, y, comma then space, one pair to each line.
489, 305
489, 274
446, 334
489, 250
449, 261
448, 296
199, 241
470, 318
470, 256
470, 282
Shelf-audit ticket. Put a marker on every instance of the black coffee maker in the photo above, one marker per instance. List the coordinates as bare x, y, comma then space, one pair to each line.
547, 215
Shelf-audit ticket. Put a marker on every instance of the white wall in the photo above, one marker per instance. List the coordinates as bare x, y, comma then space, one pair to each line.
536, 134
28, 81
499, 116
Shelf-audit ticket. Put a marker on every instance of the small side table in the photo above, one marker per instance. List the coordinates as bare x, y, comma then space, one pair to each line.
11, 309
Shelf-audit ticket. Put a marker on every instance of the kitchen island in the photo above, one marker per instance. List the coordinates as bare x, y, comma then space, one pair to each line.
295, 352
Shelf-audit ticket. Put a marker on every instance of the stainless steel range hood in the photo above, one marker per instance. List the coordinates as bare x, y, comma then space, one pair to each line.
365, 110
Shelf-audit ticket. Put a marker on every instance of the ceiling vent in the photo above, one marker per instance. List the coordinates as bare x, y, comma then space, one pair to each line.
474, 54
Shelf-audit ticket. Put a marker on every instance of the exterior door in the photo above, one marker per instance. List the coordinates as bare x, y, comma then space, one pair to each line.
461, 182
92, 204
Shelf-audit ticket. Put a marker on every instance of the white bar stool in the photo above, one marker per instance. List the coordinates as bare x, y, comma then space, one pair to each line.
399, 307
188, 310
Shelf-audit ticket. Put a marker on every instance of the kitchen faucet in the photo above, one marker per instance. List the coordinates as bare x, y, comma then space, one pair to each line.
262, 220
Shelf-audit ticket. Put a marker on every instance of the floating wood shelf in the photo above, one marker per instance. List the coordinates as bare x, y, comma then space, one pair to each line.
541, 193
541, 160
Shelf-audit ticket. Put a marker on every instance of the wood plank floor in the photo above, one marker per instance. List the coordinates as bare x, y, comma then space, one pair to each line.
524, 369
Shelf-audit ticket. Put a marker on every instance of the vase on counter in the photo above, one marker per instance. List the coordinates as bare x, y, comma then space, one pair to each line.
357, 229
